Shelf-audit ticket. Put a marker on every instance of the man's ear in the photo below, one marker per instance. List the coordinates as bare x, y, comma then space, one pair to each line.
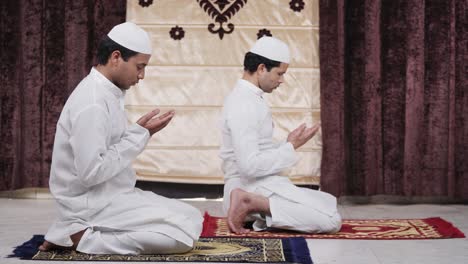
114, 57
261, 68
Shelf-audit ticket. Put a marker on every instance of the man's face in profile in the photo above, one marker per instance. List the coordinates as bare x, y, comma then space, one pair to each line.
270, 80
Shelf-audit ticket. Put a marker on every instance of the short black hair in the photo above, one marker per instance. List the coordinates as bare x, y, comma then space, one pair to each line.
252, 60
107, 46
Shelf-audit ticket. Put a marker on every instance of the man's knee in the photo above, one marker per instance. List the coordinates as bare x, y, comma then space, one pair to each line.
182, 248
322, 224
166, 247
333, 224
157, 243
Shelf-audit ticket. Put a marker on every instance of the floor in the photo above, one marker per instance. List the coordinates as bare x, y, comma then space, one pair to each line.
21, 218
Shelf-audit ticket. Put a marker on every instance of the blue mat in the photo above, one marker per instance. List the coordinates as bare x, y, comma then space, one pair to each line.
251, 250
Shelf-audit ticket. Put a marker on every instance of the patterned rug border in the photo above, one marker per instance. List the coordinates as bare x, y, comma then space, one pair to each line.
215, 249
439, 229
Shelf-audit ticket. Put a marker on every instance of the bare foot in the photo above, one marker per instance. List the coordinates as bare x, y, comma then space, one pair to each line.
46, 246
76, 238
243, 203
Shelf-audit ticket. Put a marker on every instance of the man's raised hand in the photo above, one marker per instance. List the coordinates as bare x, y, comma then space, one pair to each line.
153, 122
302, 134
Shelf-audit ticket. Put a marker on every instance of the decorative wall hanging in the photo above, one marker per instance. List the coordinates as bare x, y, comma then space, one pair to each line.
177, 33
215, 9
145, 3
296, 5
264, 32
194, 70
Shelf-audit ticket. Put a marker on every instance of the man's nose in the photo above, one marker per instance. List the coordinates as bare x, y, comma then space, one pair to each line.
141, 75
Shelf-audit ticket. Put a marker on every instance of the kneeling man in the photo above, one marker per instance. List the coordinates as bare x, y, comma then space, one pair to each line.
252, 161
92, 180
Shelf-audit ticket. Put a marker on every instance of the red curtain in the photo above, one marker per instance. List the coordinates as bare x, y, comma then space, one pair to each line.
394, 97
47, 47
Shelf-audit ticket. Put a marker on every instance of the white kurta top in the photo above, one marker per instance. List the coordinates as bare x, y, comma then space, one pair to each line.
250, 157
91, 175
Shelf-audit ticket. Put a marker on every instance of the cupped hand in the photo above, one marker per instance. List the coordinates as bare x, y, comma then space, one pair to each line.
302, 134
155, 123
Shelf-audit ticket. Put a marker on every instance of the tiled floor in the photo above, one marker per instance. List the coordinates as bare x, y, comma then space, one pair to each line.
20, 219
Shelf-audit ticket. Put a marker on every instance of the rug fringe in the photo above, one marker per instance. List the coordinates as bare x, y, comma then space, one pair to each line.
28, 249
444, 227
296, 250
209, 224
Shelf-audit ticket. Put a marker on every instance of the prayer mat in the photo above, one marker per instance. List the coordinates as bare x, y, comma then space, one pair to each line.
383, 229
252, 250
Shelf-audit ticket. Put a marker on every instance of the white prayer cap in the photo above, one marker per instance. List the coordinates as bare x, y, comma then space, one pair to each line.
131, 37
272, 48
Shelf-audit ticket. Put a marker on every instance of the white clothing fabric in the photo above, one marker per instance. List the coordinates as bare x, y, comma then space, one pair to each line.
289, 215
253, 162
91, 175
272, 48
129, 243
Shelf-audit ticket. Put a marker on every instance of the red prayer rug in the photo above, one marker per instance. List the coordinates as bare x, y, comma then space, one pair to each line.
383, 229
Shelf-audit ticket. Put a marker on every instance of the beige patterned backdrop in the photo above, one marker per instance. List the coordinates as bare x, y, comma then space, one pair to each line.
194, 68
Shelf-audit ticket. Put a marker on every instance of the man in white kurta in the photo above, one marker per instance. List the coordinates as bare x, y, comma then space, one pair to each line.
252, 162
91, 175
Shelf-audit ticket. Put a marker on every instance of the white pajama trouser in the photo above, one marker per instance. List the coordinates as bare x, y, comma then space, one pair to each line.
129, 243
290, 215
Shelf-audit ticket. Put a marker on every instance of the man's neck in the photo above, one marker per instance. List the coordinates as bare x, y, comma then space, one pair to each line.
250, 77
104, 71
